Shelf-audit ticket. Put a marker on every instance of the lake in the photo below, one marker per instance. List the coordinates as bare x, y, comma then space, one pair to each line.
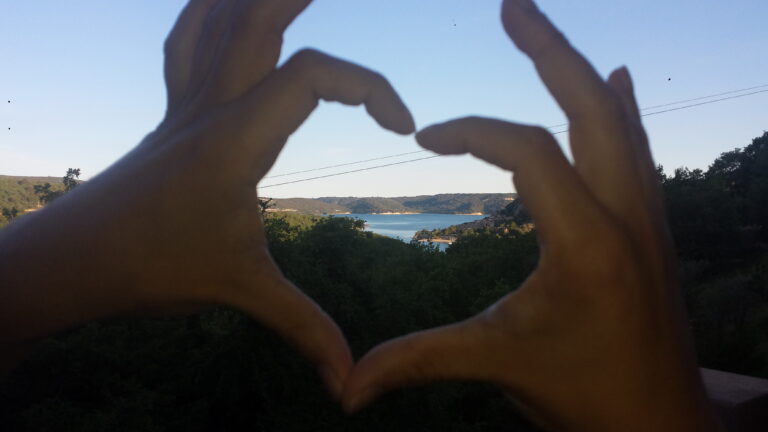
404, 226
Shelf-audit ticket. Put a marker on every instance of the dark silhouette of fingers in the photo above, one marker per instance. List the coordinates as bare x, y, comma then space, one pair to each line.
549, 186
289, 96
208, 52
252, 45
279, 305
569, 76
455, 352
621, 83
598, 123
180, 48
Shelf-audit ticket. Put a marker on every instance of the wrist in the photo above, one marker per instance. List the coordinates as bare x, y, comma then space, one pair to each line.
627, 404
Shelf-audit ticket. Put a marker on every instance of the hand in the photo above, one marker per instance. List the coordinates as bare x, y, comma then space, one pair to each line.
596, 337
175, 225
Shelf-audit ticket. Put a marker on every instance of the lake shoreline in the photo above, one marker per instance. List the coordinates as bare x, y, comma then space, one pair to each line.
404, 226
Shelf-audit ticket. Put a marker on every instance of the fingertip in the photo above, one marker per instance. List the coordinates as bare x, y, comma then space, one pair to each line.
410, 124
333, 382
359, 400
390, 112
436, 139
301, 322
510, 10
406, 125
424, 137
338, 365
621, 80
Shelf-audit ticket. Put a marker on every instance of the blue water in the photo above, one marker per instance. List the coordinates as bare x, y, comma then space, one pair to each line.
403, 227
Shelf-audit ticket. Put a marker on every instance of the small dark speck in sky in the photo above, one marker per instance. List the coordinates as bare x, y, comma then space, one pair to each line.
669, 79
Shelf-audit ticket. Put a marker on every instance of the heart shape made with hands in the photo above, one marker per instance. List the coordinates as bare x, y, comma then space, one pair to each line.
605, 248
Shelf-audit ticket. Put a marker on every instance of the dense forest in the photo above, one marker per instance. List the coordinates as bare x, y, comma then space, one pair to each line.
443, 204
221, 371
17, 194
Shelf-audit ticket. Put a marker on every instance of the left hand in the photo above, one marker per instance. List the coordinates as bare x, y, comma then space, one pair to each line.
175, 225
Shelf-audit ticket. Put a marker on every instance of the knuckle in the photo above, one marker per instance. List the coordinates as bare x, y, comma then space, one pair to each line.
542, 137
542, 145
606, 108
305, 61
613, 107
257, 15
423, 366
611, 246
170, 47
378, 78
474, 120
307, 56
549, 39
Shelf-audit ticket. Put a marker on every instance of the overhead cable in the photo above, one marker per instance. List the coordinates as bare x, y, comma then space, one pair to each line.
707, 102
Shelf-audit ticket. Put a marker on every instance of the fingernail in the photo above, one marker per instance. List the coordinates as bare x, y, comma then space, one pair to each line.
362, 399
332, 381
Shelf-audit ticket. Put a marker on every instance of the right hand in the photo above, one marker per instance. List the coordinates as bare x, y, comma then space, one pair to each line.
596, 338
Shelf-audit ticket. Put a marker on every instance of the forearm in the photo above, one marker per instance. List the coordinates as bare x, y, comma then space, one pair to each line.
671, 400
673, 413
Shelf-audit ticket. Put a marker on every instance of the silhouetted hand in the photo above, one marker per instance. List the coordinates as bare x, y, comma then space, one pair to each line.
175, 225
596, 338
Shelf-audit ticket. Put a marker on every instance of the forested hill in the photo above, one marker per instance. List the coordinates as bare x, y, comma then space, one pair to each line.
19, 192
513, 217
445, 204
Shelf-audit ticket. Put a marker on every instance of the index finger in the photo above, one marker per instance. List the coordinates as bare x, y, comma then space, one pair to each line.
570, 78
599, 128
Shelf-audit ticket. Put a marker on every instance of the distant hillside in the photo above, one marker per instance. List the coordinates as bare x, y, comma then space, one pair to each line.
443, 204
459, 203
308, 205
369, 205
513, 217
18, 192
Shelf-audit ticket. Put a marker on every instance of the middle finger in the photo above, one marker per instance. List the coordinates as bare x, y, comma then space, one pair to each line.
599, 125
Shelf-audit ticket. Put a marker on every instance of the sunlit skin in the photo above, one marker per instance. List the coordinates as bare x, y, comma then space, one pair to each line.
175, 225
594, 340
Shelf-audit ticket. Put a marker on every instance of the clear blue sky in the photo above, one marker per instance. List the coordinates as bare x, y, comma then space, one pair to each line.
85, 81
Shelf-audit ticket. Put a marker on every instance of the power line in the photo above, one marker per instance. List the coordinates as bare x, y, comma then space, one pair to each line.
684, 107
704, 103
344, 164
682, 102
548, 127
704, 97
350, 172
551, 127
